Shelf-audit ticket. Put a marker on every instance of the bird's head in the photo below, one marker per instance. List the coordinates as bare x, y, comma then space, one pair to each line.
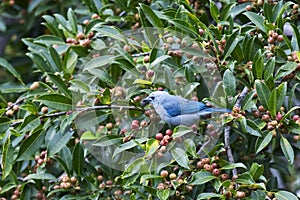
154, 98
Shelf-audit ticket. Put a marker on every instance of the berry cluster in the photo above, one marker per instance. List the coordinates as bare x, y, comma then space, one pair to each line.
174, 182
67, 182
11, 109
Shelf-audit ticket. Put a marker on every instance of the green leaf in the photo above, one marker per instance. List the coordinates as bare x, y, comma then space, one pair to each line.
256, 171
52, 25
248, 103
258, 65
78, 158
40, 62
263, 142
11, 69
57, 140
45, 176
214, 11
163, 194
151, 16
253, 128
111, 32
181, 131
31, 145
107, 141
30, 123
61, 85
63, 23
4, 124
151, 147
290, 111
209, 196
142, 82
287, 149
184, 26
202, 177
180, 157
159, 60
234, 165
124, 147
99, 62
245, 178
285, 195
269, 68
257, 20
189, 88
231, 44
7, 158
56, 101
229, 83
8, 88
56, 59
190, 146
273, 102
49, 40
80, 85
280, 94
169, 79
72, 20
285, 69
263, 93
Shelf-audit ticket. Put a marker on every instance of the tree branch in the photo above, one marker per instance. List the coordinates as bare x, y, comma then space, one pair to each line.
227, 131
85, 109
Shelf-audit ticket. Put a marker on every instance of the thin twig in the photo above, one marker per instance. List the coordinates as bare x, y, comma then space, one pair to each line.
227, 131
85, 109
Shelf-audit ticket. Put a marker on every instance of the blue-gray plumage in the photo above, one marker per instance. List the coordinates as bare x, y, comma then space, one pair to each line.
176, 110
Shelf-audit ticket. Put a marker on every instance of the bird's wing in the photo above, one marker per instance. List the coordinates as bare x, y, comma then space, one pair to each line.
176, 105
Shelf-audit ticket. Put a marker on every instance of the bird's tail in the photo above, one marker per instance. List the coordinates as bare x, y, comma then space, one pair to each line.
208, 111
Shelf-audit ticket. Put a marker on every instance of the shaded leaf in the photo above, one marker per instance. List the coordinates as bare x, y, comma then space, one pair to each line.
56, 101
263, 93
263, 142
31, 145
11, 69
229, 83
202, 177
78, 158
287, 149
257, 20
180, 157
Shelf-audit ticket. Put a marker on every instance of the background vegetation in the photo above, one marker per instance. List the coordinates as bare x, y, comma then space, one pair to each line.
73, 74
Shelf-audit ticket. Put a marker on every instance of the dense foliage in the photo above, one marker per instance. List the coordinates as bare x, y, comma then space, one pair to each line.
71, 122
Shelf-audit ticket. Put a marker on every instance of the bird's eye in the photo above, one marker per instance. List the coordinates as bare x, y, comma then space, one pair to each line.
152, 98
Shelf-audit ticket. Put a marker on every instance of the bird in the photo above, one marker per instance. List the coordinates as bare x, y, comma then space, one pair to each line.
176, 110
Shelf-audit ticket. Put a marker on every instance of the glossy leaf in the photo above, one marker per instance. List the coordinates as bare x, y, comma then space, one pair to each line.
31, 145
56, 101
78, 158
229, 83
11, 69
263, 93
287, 149
256, 19
200, 178
285, 195
263, 142
180, 157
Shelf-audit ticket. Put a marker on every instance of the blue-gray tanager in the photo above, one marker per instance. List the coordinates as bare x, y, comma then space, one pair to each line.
176, 110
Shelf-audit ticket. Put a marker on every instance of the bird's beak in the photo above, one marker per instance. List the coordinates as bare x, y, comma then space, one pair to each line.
145, 102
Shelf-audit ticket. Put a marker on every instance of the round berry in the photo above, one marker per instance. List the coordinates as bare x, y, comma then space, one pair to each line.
159, 136
164, 173
216, 172
172, 176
